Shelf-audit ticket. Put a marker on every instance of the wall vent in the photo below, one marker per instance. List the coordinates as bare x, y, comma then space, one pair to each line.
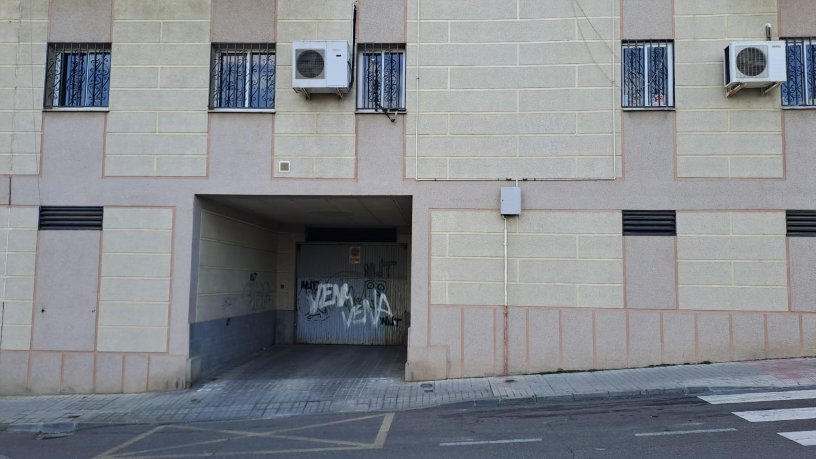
801, 223
71, 218
649, 223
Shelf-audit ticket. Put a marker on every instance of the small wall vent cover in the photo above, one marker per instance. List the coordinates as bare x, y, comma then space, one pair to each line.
71, 218
284, 166
649, 223
801, 223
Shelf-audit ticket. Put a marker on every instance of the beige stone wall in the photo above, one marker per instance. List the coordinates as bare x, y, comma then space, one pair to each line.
237, 272
555, 259
518, 89
157, 125
736, 137
134, 297
23, 32
732, 261
316, 136
18, 257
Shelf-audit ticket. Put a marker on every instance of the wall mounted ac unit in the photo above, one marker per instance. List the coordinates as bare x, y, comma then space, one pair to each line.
321, 67
755, 64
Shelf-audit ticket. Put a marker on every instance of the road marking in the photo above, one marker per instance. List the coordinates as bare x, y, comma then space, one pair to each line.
793, 414
125, 450
683, 432
759, 397
492, 442
131, 441
382, 434
804, 438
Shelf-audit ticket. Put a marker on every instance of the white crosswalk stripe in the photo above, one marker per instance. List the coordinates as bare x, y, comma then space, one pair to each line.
792, 414
804, 438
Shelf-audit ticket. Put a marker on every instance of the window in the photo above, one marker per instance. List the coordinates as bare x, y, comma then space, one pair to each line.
381, 78
77, 75
648, 74
242, 76
800, 89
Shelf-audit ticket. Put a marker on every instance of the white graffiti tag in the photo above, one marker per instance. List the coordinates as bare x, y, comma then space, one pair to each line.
374, 311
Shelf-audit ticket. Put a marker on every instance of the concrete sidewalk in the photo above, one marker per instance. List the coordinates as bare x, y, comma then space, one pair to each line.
265, 387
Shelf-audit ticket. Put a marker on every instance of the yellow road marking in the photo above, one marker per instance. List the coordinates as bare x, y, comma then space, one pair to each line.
130, 442
339, 445
383, 432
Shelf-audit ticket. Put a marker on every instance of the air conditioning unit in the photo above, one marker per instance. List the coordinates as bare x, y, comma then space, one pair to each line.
755, 64
321, 67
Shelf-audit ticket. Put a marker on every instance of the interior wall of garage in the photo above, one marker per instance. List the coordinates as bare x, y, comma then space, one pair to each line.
233, 313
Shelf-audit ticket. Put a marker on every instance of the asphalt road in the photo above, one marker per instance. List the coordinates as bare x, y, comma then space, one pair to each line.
657, 427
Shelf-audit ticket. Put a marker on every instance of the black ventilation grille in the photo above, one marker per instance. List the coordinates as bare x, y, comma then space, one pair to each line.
70, 218
801, 223
649, 223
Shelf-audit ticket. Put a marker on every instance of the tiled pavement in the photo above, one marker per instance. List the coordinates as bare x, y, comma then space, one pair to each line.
293, 380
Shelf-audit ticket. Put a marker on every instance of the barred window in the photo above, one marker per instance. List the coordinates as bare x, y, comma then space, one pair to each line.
381, 78
77, 75
242, 76
648, 74
800, 89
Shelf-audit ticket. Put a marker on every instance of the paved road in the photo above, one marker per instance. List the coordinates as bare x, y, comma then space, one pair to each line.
664, 426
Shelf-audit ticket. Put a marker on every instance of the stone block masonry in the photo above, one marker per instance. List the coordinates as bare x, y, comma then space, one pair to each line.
157, 125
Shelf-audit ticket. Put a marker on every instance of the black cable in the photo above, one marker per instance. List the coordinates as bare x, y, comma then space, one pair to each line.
353, 43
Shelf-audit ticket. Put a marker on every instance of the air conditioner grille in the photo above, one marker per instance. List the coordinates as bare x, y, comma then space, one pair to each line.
310, 64
752, 61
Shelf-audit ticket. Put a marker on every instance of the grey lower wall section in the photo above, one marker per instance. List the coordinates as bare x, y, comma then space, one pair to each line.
285, 327
216, 343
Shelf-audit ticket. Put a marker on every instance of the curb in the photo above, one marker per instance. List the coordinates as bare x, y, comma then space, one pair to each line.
42, 427
645, 393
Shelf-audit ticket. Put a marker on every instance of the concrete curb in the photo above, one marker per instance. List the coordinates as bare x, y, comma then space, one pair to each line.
630, 394
42, 427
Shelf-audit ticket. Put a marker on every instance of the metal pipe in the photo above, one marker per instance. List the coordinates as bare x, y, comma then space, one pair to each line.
506, 307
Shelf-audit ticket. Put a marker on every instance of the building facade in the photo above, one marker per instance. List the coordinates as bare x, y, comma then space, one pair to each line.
173, 199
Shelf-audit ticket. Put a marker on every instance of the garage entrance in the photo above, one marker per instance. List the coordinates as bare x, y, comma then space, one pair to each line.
272, 271
352, 293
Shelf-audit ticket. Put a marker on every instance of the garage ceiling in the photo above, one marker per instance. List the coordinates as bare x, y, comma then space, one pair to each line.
325, 211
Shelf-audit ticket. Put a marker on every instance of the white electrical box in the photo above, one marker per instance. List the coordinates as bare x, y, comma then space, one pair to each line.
510, 201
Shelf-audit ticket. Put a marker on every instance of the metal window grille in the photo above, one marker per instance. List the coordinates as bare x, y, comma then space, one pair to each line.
242, 75
77, 75
800, 89
647, 79
381, 78
71, 218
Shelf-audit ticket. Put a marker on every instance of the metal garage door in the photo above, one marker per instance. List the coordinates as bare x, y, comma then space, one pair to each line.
352, 293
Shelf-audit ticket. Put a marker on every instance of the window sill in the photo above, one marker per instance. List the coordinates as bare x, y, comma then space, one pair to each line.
242, 110
379, 112
799, 107
77, 109
648, 109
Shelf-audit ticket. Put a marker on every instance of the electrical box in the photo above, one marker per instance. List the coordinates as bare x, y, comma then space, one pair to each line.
510, 201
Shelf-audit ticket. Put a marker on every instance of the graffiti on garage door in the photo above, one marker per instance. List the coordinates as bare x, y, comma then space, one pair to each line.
366, 304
